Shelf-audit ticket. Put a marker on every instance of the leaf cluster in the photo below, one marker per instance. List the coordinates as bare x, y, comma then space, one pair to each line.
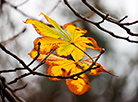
67, 41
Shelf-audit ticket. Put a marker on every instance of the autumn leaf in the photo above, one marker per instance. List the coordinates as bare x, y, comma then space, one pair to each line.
67, 41
79, 84
59, 66
64, 40
96, 69
51, 60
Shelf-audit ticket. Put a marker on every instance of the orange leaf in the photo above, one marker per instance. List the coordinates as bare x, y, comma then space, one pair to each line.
61, 68
56, 71
98, 70
80, 84
94, 44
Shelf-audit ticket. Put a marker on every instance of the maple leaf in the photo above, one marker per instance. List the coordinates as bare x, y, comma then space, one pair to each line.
67, 42
63, 67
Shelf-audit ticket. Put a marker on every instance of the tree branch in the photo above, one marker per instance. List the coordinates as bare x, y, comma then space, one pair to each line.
8, 92
60, 77
105, 17
16, 57
110, 19
14, 37
11, 70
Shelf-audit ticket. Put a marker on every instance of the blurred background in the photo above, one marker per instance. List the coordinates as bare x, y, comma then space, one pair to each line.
121, 57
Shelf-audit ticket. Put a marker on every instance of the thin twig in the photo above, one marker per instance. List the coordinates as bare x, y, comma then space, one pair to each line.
11, 70
97, 23
36, 56
20, 88
43, 60
110, 19
127, 24
87, 15
14, 37
47, 75
16, 57
13, 93
77, 74
24, 2
123, 19
20, 77
16, 8
33, 71
11, 96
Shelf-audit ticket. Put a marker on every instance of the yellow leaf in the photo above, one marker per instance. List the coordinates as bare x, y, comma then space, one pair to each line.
47, 44
74, 31
51, 60
80, 85
56, 26
44, 30
68, 42
63, 67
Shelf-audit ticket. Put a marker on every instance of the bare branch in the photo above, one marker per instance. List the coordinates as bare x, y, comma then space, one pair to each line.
123, 19
77, 74
127, 24
87, 15
110, 19
16, 8
36, 56
8, 92
24, 2
104, 17
78, 14
14, 37
20, 77
60, 77
16, 57
20, 88
11, 70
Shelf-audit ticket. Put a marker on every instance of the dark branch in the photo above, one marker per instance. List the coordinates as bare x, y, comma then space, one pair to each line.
123, 19
14, 37
43, 60
110, 19
8, 92
11, 70
60, 77
20, 88
104, 17
16, 57
16, 79
36, 56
